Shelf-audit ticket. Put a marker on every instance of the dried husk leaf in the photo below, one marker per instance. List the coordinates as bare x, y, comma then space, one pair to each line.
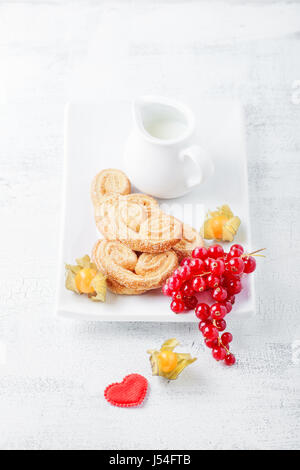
85, 262
229, 229
98, 283
154, 362
73, 268
70, 280
170, 344
183, 360
226, 211
227, 235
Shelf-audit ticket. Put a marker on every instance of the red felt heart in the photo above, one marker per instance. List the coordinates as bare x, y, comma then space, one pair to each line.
130, 392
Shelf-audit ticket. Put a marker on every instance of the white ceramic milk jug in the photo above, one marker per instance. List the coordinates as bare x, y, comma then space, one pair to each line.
160, 156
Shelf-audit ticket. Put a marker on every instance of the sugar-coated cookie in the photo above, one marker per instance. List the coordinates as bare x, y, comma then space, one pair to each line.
121, 264
190, 240
109, 181
137, 221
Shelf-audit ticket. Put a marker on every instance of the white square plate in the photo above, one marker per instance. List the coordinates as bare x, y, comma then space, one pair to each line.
94, 139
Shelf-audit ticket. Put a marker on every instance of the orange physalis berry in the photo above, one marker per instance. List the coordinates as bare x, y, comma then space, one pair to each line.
167, 361
217, 224
84, 279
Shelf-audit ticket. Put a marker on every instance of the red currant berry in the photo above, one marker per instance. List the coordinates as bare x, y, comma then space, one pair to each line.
228, 306
187, 289
174, 283
226, 338
184, 273
177, 306
236, 247
236, 265
190, 302
200, 252
228, 274
217, 311
215, 251
213, 281
234, 286
219, 353
220, 324
199, 284
231, 299
207, 262
249, 265
217, 267
185, 262
229, 360
197, 266
211, 343
236, 250
210, 332
204, 324
166, 290
202, 311
219, 294
176, 294
227, 282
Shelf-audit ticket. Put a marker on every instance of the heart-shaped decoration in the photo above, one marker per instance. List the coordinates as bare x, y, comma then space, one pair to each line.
130, 392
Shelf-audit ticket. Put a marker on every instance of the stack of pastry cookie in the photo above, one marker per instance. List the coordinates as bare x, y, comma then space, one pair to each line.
142, 245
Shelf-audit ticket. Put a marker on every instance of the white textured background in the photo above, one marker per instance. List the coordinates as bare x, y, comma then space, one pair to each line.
53, 372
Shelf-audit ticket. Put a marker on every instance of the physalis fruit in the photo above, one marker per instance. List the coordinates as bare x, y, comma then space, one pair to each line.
220, 225
166, 362
84, 278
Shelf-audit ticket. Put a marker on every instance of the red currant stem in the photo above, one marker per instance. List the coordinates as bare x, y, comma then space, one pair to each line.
223, 345
220, 343
203, 274
254, 253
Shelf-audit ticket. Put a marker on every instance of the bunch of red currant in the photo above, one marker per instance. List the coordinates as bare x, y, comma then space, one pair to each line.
219, 272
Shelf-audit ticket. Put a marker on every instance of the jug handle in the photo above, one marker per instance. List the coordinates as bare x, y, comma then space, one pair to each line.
202, 162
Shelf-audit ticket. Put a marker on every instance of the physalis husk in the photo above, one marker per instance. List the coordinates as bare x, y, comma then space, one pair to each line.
220, 225
166, 362
84, 278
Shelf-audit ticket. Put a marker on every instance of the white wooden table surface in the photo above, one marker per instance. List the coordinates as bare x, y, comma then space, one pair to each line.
53, 372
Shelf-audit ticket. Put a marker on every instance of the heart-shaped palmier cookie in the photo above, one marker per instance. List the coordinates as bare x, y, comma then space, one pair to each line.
123, 265
137, 221
109, 181
128, 393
